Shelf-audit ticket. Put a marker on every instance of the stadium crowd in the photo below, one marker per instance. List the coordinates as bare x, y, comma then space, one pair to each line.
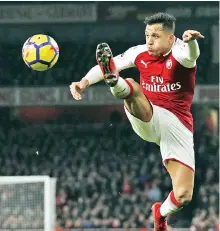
107, 176
72, 68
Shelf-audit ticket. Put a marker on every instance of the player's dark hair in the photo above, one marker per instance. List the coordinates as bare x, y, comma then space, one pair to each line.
167, 21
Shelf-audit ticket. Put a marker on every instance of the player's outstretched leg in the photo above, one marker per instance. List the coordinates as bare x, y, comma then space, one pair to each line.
135, 101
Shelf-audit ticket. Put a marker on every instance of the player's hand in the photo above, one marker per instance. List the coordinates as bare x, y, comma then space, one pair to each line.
76, 88
189, 35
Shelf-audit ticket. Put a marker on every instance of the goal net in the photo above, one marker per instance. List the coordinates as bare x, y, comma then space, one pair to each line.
27, 203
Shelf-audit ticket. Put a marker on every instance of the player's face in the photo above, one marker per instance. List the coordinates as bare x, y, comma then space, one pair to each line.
158, 40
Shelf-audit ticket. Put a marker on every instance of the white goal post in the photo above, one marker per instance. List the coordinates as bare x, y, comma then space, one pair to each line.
27, 203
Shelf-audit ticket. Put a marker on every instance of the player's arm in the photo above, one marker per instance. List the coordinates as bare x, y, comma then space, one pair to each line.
122, 61
186, 51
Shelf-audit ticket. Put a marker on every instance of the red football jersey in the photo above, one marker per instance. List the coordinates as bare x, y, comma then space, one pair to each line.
167, 81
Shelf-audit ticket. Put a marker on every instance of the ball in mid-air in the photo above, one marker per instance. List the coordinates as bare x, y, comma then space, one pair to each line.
40, 52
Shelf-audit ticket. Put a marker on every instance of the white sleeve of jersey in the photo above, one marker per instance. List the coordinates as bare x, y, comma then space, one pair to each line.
122, 62
186, 53
94, 75
126, 59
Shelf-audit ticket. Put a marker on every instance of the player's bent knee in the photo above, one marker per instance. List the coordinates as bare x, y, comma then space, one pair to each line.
183, 195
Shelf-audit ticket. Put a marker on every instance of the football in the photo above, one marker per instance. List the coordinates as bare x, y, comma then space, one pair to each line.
40, 52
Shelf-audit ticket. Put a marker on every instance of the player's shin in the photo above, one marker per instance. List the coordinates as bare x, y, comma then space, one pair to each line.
122, 89
169, 206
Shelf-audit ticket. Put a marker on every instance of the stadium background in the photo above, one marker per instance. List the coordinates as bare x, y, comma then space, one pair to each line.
107, 177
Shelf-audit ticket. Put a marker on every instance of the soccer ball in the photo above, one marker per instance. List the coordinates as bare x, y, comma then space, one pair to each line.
40, 52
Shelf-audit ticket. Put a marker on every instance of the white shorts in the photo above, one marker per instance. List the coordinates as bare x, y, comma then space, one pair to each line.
166, 130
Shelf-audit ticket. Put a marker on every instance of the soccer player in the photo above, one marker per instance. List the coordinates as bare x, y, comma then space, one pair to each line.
159, 107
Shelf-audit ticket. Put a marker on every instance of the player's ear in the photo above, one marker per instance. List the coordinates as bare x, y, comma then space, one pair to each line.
171, 38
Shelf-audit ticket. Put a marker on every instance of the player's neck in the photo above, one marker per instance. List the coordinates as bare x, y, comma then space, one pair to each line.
169, 49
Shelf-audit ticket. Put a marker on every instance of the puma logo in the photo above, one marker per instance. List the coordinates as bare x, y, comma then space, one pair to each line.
145, 64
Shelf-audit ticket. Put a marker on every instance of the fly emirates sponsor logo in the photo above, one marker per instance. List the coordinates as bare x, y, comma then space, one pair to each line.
157, 85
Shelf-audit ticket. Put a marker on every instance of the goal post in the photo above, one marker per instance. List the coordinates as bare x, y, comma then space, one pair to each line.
27, 203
